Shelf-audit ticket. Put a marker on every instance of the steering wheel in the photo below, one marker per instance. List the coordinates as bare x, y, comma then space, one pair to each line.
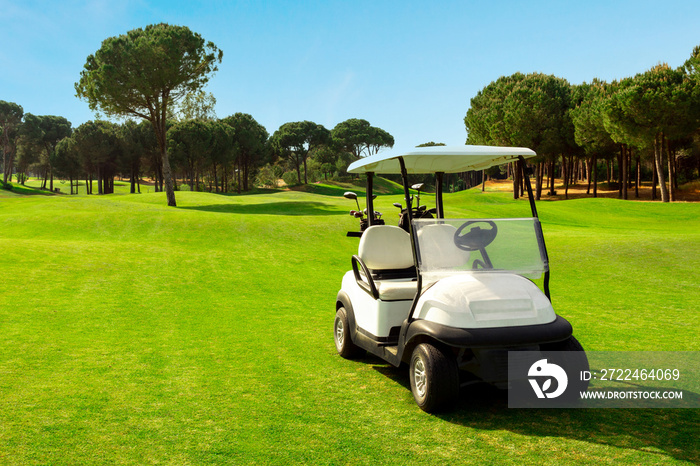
476, 238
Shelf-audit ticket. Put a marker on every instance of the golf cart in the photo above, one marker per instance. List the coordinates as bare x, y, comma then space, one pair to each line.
451, 297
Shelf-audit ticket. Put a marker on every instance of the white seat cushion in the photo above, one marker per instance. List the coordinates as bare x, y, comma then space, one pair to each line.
395, 290
385, 247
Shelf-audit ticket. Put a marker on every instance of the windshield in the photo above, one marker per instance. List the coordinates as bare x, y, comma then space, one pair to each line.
448, 246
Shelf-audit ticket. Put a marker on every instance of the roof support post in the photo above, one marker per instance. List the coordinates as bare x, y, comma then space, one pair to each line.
528, 186
419, 285
540, 235
438, 194
370, 200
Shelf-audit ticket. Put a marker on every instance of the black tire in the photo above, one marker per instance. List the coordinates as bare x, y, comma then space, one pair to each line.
434, 377
573, 357
341, 335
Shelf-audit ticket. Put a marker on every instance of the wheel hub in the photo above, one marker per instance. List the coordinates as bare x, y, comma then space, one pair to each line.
339, 333
419, 377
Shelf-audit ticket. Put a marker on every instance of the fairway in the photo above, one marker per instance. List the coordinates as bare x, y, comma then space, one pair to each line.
135, 333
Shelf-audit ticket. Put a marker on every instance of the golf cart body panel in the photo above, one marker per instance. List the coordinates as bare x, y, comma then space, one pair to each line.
375, 317
483, 301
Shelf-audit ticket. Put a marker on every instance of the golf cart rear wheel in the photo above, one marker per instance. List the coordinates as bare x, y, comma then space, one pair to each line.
434, 377
341, 334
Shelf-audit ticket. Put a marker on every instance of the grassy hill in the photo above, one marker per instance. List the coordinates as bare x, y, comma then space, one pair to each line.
134, 333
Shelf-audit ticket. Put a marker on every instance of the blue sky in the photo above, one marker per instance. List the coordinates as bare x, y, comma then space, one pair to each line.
408, 67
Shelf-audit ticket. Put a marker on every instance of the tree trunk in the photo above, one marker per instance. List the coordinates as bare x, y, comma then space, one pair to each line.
565, 169
671, 174
298, 172
623, 171
589, 162
595, 176
238, 176
638, 176
659, 161
306, 177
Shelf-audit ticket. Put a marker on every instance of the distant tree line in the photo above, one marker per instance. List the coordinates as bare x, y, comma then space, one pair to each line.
642, 128
235, 153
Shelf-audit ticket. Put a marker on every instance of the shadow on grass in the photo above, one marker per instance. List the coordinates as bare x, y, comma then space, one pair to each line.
27, 190
672, 432
270, 208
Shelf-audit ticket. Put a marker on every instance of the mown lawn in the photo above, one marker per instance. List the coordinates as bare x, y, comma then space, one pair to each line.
134, 333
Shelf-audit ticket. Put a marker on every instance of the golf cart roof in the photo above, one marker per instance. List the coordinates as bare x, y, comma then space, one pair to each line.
434, 159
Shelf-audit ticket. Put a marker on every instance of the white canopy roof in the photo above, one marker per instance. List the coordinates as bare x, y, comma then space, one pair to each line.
447, 159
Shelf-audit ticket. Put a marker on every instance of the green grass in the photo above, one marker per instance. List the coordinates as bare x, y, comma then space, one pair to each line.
337, 188
134, 333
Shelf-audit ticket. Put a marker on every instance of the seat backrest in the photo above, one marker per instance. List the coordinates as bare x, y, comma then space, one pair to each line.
438, 249
385, 247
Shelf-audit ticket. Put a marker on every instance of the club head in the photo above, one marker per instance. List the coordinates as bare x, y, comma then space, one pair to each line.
350, 195
417, 186
396, 204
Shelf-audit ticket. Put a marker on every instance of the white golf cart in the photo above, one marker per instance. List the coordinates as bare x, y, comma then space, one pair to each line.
451, 297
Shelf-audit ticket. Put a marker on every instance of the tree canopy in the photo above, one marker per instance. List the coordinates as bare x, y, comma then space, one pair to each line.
11, 115
143, 72
45, 131
250, 145
360, 138
294, 140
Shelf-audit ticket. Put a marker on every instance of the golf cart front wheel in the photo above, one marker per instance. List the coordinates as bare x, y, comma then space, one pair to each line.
434, 377
341, 334
570, 355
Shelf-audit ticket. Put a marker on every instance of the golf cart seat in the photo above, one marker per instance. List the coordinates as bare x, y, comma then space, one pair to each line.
385, 251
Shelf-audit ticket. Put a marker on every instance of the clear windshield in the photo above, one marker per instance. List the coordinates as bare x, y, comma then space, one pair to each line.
449, 246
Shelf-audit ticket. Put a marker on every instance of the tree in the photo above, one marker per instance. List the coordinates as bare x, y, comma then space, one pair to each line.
523, 110
221, 151
10, 119
133, 144
67, 163
99, 150
484, 120
589, 130
197, 106
145, 71
650, 109
294, 141
326, 157
250, 145
189, 142
431, 144
359, 138
45, 131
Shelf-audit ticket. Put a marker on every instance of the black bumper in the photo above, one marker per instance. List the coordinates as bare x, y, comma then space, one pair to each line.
495, 337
